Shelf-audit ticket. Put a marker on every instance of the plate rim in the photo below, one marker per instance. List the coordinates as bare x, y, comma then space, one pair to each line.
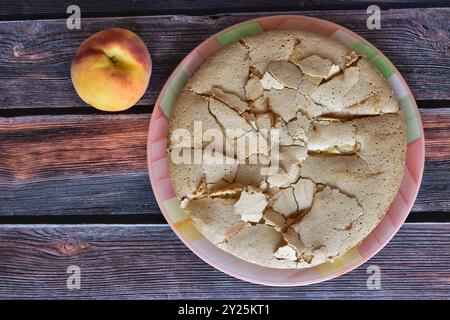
157, 112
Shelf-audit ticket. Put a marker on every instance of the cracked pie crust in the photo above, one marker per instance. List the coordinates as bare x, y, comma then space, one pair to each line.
340, 149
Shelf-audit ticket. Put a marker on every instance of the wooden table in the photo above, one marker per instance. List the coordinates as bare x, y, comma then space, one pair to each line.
74, 186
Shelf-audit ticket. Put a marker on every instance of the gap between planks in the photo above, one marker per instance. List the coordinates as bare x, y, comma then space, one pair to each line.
158, 219
145, 109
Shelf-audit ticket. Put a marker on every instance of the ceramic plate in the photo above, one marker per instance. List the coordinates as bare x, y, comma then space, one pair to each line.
180, 221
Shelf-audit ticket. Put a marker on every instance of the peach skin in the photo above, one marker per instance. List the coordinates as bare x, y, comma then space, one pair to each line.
111, 69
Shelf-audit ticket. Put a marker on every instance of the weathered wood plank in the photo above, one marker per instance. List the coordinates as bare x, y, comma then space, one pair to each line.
435, 183
36, 55
436, 123
435, 189
90, 164
54, 8
96, 164
148, 261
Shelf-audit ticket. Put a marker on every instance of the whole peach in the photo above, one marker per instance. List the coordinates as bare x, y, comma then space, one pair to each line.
111, 69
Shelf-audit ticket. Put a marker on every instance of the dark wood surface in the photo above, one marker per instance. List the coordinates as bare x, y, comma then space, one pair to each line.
149, 261
74, 186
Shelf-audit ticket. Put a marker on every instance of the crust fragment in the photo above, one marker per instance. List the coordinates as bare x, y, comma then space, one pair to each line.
250, 205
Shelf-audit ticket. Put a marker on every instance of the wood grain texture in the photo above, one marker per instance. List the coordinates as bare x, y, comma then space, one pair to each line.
89, 164
148, 261
27, 9
434, 194
36, 55
96, 164
437, 133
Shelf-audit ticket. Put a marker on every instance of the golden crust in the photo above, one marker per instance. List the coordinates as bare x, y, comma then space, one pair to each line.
341, 150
